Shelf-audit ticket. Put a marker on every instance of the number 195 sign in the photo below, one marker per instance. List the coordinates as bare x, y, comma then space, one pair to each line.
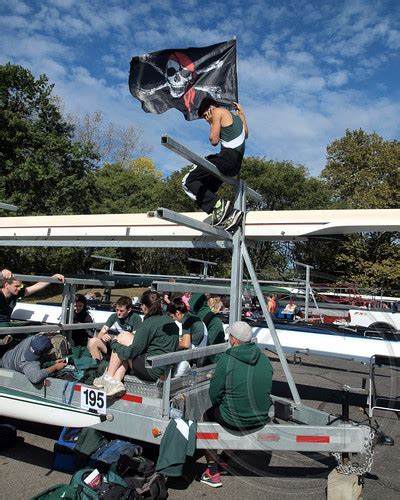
93, 399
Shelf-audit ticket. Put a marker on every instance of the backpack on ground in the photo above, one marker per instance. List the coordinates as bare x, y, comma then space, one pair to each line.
110, 453
56, 492
89, 441
140, 475
109, 483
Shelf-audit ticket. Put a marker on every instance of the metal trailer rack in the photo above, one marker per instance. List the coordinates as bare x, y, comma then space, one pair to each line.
144, 411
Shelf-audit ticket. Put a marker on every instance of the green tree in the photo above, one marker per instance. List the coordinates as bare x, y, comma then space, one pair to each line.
363, 172
134, 188
43, 171
285, 186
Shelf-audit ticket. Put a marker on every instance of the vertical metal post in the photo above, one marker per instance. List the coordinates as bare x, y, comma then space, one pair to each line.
235, 308
65, 303
166, 391
271, 326
308, 267
307, 291
72, 291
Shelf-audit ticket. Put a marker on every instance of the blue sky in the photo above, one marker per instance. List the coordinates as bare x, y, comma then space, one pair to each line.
307, 69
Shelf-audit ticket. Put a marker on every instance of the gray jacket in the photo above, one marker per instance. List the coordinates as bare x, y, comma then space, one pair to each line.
14, 359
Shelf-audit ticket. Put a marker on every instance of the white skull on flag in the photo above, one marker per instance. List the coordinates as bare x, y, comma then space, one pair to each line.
179, 74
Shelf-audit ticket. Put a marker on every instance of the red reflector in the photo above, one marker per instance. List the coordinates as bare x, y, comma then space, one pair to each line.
132, 398
268, 437
312, 439
207, 435
78, 388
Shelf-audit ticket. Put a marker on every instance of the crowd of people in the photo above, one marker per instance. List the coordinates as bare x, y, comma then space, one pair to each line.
239, 389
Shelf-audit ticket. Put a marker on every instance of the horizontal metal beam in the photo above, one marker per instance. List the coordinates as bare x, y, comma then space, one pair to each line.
117, 243
14, 330
7, 206
171, 216
183, 151
165, 286
70, 281
191, 259
177, 357
111, 259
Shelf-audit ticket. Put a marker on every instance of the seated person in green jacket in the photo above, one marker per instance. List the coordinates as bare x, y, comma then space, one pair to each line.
158, 334
200, 306
194, 331
123, 320
240, 390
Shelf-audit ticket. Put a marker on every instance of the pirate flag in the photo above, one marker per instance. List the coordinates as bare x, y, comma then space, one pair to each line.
182, 78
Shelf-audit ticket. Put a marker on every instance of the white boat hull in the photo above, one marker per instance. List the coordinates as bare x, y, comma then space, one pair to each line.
19, 405
328, 344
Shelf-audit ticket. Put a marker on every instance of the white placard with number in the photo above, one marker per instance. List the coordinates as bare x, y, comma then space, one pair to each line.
93, 399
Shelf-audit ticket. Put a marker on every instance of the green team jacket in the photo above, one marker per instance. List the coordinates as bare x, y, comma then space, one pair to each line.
199, 307
156, 335
241, 386
216, 335
193, 325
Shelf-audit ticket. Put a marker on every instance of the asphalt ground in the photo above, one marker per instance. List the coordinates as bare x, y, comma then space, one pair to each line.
26, 468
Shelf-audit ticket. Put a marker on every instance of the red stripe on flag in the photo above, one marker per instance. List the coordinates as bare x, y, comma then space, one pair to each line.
207, 435
312, 439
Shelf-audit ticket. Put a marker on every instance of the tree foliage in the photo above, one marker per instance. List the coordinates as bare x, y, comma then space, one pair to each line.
285, 186
43, 171
112, 143
134, 188
363, 170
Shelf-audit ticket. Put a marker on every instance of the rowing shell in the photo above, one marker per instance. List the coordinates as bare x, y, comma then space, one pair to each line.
20, 405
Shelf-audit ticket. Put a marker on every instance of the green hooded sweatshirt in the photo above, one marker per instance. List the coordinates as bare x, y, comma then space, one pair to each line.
241, 386
157, 334
216, 335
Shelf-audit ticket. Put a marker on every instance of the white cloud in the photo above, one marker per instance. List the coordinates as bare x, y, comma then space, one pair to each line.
18, 7
337, 79
307, 71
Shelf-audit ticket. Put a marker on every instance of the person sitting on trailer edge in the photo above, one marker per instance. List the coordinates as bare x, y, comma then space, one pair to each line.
81, 315
12, 290
200, 304
25, 358
123, 320
240, 391
194, 331
158, 334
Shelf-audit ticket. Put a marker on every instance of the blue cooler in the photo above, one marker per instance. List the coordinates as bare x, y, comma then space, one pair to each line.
64, 456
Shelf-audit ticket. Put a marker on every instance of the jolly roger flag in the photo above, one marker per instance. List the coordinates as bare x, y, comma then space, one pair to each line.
182, 78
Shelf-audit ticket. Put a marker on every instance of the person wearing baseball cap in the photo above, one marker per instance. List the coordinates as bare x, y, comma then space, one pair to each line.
240, 390
26, 356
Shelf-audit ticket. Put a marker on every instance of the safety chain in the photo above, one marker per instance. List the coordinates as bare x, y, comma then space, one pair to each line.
357, 468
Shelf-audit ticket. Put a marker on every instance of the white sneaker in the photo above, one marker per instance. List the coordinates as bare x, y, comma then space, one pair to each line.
114, 388
101, 381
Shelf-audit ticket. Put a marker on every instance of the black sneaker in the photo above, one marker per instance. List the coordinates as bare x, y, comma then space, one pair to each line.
221, 213
233, 221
